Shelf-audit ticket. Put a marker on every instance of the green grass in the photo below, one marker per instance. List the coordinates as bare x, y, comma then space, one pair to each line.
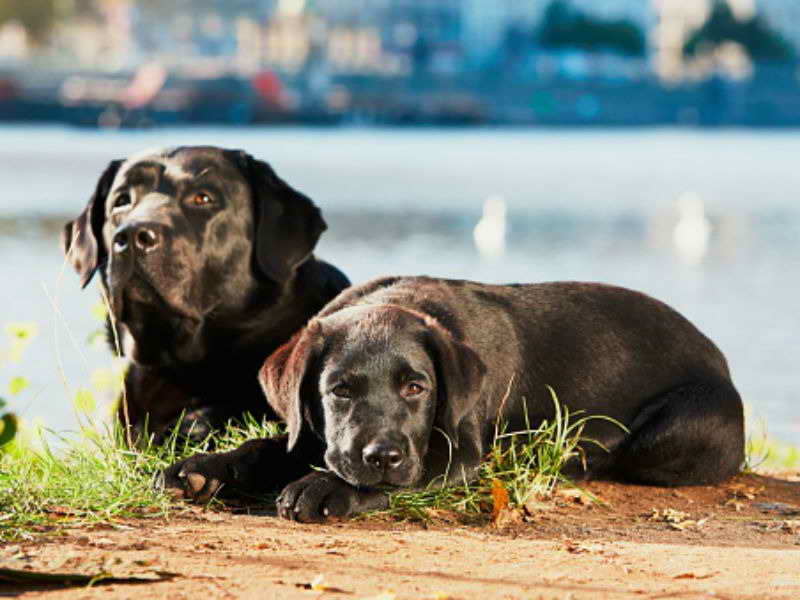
50, 481
532, 466
527, 464
93, 477
766, 453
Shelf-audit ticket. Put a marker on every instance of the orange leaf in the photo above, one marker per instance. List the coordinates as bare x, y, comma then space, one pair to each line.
499, 498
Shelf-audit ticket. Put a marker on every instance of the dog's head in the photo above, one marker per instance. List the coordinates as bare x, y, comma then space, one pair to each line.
185, 234
373, 382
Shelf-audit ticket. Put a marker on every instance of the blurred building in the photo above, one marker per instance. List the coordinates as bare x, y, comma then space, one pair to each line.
637, 11
487, 25
450, 36
783, 15
205, 31
675, 20
310, 44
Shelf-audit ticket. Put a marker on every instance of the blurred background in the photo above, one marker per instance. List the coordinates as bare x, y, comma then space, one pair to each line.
647, 143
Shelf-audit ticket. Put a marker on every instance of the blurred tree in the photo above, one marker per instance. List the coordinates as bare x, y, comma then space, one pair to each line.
759, 40
565, 27
36, 16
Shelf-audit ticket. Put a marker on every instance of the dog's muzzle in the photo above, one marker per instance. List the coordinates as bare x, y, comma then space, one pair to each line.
139, 238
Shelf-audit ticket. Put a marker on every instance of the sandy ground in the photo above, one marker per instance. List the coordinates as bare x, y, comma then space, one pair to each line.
738, 540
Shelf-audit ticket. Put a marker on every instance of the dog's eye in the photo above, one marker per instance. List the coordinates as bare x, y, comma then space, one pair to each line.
201, 199
122, 200
342, 391
413, 389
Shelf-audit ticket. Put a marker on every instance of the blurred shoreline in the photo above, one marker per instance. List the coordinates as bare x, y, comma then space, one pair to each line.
152, 97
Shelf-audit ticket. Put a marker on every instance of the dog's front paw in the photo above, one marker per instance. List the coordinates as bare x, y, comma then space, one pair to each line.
198, 478
318, 496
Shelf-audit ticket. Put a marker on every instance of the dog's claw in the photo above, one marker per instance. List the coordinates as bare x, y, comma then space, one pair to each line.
195, 483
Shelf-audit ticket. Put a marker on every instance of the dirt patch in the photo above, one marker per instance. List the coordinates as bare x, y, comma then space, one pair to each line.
737, 540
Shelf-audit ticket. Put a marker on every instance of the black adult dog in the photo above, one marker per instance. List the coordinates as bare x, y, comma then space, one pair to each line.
205, 255
402, 380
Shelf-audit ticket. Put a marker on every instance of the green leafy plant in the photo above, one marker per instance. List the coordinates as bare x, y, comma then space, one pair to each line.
526, 464
20, 335
764, 452
8, 426
54, 481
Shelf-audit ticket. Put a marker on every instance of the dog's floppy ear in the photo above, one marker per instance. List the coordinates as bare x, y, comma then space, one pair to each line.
287, 223
283, 374
459, 378
82, 239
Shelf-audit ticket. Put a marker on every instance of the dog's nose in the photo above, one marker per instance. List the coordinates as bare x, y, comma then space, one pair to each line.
383, 456
143, 237
146, 239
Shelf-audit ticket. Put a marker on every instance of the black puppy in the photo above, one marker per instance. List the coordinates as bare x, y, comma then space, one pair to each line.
404, 380
205, 255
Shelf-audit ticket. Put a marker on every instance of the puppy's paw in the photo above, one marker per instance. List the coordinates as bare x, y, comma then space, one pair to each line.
318, 496
198, 478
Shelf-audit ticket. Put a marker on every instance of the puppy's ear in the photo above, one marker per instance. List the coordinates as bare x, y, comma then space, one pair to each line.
287, 223
82, 239
459, 378
283, 374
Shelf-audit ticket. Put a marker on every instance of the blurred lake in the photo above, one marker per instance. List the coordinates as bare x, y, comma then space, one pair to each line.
595, 205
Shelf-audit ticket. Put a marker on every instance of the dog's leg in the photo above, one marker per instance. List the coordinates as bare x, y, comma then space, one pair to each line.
320, 495
255, 466
692, 435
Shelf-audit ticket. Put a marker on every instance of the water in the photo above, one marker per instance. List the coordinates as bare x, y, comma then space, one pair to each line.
585, 205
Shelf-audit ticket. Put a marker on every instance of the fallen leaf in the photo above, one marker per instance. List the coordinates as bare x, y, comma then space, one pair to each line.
318, 585
577, 495
499, 499
667, 515
675, 519
508, 516
574, 547
792, 526
694, 575
742, 490
533, 507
